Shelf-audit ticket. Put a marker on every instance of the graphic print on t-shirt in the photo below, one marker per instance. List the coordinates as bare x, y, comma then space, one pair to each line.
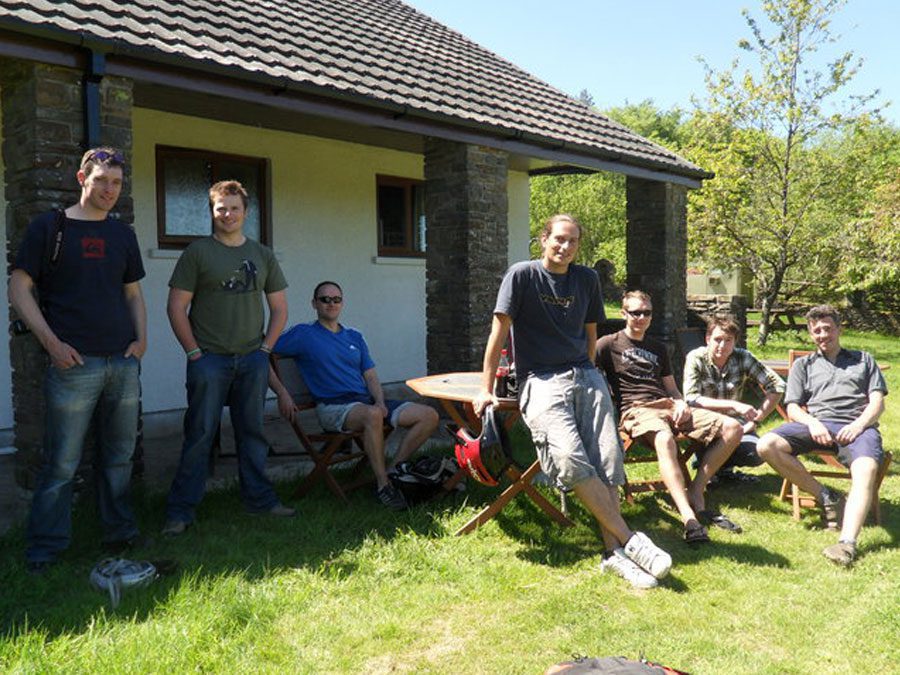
93, 247
565, 302
640, 364
242, 279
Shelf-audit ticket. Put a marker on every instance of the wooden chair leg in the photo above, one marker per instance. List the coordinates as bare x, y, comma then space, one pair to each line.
795, 499
882, 472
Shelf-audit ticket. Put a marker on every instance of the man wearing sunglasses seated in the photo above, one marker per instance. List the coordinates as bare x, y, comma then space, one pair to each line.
340, 374
654, 412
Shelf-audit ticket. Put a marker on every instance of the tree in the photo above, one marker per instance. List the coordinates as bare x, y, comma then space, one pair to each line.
598, 199
761, 134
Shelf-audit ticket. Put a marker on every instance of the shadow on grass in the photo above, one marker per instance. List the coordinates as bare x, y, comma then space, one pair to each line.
558, 546
225, 540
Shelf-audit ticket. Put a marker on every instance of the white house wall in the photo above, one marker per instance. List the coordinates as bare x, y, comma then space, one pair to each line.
323, 227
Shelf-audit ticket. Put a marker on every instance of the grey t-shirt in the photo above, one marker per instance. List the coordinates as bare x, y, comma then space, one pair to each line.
548, 313
839, 391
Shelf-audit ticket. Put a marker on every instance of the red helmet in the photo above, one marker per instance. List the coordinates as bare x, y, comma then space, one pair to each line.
486, 456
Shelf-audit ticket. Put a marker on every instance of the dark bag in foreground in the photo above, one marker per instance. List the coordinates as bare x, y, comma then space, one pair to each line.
611, 665
424, 478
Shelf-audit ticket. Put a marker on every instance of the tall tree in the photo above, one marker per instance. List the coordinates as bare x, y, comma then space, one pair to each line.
761, 133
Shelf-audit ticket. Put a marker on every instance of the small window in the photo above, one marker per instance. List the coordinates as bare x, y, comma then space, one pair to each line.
183, 179
401, 216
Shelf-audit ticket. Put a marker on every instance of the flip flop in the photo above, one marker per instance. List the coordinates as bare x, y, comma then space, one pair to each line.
715, 518
695, 533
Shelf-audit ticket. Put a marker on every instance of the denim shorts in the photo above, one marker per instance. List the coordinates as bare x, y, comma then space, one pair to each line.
333, 415
573, 426
867, 444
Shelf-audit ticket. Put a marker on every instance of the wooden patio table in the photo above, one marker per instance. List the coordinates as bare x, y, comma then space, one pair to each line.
456, 391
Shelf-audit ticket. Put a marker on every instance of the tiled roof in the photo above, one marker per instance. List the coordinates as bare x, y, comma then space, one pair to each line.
375, 50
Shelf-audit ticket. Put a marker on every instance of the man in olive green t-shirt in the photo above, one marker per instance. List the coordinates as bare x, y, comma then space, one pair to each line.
216, 312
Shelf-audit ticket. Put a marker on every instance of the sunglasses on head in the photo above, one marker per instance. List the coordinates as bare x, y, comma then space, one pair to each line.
330, 299
640, 312
104, 156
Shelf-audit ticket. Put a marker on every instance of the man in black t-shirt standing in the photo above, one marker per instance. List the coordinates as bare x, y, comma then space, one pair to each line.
653, 410
91, 320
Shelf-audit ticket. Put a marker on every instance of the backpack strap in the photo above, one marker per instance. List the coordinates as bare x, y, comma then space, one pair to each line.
55, 241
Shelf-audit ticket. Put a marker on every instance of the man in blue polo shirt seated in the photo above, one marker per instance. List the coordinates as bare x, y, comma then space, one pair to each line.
834, 399
335, 363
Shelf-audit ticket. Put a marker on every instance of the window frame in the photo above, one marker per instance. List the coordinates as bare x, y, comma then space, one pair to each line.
409, 226
212, 157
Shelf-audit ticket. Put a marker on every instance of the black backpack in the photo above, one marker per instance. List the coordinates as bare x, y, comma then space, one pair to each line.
422, 479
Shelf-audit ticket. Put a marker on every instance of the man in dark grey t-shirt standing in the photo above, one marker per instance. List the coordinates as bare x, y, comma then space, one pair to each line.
552, 306
834, 399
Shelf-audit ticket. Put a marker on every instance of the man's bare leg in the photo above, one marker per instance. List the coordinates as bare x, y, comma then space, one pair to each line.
610, 541
420, 421
777, 453
717, 453
603, 503
667, 456
863, 473
369, 420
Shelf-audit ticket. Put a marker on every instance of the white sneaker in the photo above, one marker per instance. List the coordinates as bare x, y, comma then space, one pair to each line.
648, 556
620, 564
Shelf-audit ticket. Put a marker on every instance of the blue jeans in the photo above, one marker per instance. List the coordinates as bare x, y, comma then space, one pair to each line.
213, 381
113, 384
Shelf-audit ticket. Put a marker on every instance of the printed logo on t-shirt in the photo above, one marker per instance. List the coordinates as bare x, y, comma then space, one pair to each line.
93, 247
565, 302
243, 279
640, 363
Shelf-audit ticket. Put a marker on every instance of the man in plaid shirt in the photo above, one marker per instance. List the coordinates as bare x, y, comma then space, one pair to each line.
715, 377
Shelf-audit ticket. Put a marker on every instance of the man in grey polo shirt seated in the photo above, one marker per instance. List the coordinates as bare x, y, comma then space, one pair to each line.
834, 399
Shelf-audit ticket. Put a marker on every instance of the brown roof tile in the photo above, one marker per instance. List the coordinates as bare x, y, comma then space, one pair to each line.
382, 50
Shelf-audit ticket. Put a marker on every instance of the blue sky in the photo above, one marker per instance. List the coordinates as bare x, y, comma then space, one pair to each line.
630, 50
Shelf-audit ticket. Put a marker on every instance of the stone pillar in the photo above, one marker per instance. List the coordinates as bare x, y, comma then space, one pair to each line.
43, 131
466, 208
656, 249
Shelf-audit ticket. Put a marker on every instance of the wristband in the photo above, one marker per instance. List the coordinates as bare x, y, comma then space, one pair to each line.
265, 348
195, 350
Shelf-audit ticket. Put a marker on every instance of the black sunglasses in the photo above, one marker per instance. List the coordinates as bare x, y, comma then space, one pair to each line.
640, 312
330, 299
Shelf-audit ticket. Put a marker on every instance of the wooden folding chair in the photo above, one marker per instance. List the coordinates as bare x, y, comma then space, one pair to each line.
326, 449
833, 469
686, 448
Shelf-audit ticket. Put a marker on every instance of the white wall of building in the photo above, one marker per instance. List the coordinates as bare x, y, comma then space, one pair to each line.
323, 227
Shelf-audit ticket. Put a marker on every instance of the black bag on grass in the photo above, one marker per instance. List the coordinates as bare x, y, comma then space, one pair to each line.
424, 478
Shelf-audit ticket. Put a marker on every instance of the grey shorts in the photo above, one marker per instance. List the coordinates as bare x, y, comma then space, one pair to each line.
573, 425
333, 415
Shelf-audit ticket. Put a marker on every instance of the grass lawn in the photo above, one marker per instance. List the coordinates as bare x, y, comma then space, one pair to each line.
357, 589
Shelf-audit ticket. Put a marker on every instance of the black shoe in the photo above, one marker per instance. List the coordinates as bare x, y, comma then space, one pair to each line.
735, 476
38, 567
392, 498
120, 546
